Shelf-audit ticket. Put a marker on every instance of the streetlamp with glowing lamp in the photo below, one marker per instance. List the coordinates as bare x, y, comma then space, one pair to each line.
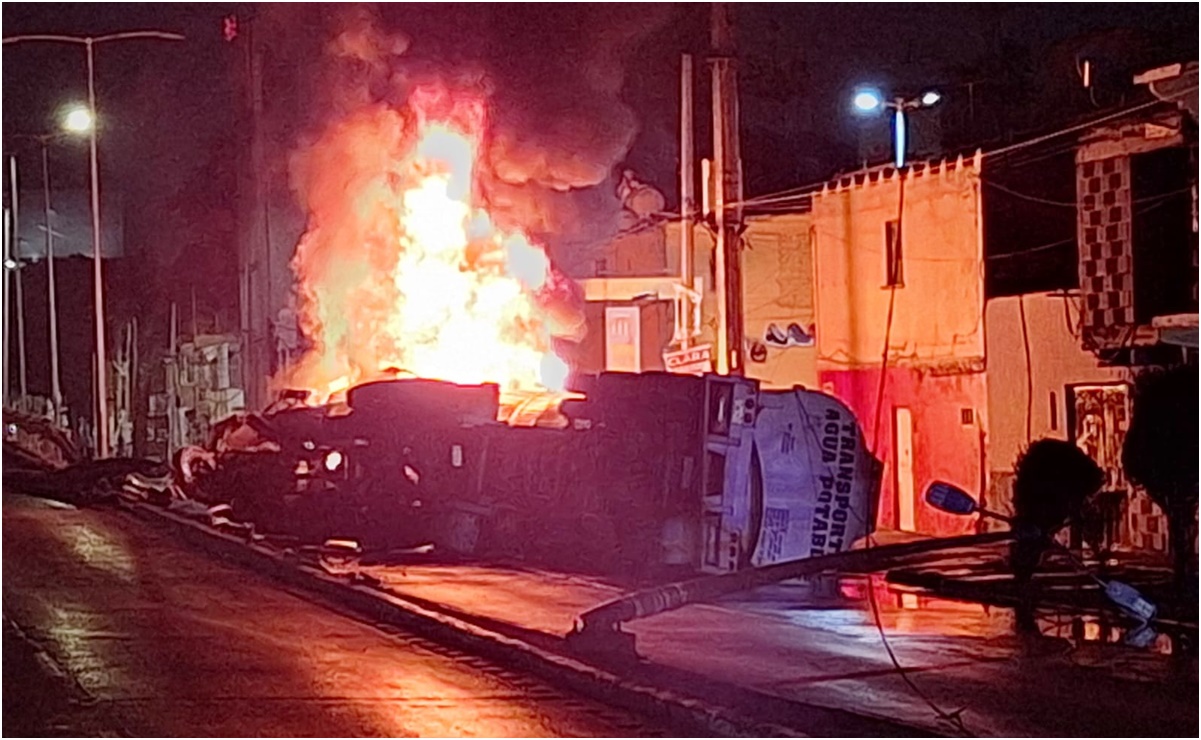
75, 119
78, 120
868, 101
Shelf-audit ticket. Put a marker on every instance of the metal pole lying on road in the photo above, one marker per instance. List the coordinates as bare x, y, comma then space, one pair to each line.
597, 627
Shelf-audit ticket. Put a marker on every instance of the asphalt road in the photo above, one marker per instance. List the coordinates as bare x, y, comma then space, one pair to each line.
112, 629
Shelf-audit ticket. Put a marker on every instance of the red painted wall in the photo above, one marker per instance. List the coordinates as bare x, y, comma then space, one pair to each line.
944, 448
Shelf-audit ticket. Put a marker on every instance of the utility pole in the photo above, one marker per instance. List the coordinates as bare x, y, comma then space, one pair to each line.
56, 390
102, 430
254, 259
243, 71
89, 43
172, 387
727, 175
16, 244
136, 389
687, 204
261, 293
4, 387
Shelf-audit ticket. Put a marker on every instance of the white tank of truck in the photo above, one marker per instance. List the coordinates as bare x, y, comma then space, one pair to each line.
787, 475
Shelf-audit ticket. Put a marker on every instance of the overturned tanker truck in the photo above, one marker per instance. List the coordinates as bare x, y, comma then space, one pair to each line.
635, 476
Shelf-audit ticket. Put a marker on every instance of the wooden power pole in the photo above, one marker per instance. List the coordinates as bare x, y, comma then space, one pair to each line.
727, 208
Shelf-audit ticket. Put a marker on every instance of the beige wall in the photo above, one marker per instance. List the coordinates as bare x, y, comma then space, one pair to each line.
937, 316
777, 280
1056, 360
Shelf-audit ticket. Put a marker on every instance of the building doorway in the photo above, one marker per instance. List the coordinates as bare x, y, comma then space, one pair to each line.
903, 469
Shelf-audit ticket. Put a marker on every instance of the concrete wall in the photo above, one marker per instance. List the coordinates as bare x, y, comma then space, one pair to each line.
777, 288
777, 282
1056, 361
937, 316
946, 446
935, 372
777, 285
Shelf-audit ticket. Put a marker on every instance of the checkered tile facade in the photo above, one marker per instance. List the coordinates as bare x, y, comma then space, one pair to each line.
1146, 527
1106, 261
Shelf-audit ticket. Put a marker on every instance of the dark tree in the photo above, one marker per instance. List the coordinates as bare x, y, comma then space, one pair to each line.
1160, 455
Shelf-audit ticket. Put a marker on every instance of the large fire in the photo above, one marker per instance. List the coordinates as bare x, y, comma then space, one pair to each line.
402, 269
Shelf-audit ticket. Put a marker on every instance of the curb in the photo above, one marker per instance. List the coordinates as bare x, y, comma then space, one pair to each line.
46, 663
384, 608
80, 714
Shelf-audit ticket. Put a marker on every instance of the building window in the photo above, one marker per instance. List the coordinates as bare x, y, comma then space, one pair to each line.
967, 417
1054, 412
893, 266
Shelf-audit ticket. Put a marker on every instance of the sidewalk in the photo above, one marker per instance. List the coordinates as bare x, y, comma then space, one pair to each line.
825, 650
812, 659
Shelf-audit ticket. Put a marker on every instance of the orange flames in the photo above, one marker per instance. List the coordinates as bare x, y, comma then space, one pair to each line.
403, 270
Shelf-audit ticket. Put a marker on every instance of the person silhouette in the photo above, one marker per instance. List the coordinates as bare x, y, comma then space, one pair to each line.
1053, 480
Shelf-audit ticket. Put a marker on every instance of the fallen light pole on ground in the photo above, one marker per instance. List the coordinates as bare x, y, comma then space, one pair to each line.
952, 500
599, 629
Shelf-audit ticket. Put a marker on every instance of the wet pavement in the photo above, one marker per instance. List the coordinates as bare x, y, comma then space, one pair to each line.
819, 645
112, 629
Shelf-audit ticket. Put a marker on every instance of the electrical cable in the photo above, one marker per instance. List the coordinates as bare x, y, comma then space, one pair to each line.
1031, 198
1067, 315
794, 194
1029, 368
1024, 159
1039, 248
797, 196
1079, 127
1074, 204
892, 297
955, 717
1157, 200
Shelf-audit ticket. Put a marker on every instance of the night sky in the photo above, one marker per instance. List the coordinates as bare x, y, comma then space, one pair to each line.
799, 62
168, 144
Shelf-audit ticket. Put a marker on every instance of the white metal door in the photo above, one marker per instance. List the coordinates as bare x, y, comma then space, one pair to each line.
623, 339
903, 465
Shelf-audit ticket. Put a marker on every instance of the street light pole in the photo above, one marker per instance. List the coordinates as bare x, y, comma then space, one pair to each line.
44, 141
727, 175
101, 377
687, 205
56, 390
4, 386
16, 256
868, 101
899, 141
97, 276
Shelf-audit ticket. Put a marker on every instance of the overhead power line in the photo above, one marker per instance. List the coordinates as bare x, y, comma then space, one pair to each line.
797, 194
1078, 127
